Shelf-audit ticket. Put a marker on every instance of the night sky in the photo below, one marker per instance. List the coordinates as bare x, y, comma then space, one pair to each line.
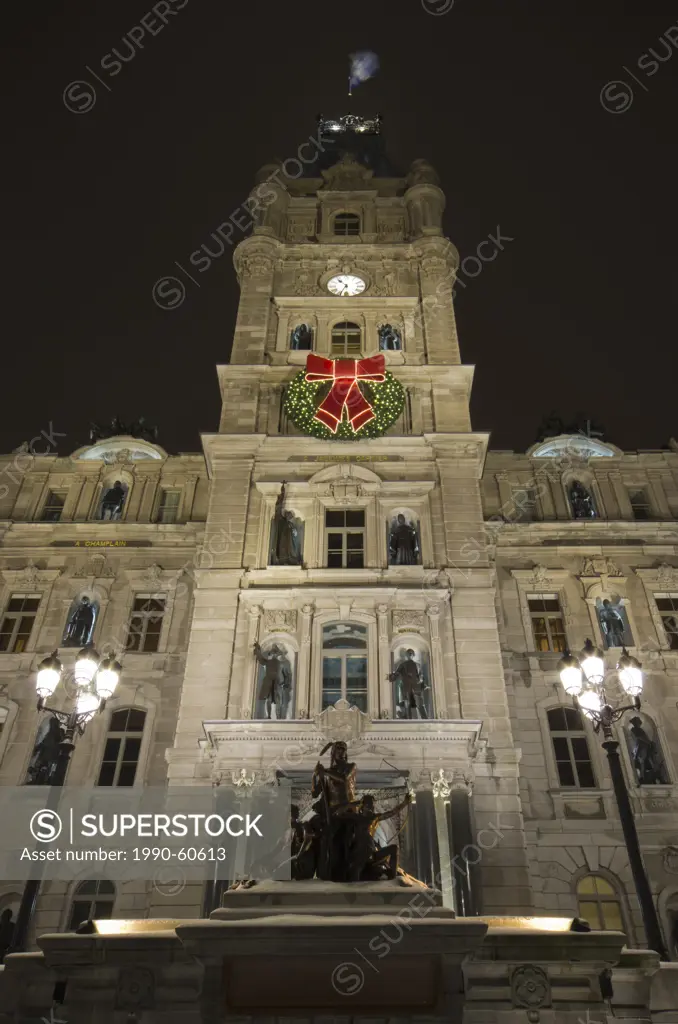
577, 313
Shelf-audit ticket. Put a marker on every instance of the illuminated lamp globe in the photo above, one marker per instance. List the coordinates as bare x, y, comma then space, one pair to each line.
590, 702
570, 674
49, 674
87, 703
630, 674
108, 677
592, 663
86, 665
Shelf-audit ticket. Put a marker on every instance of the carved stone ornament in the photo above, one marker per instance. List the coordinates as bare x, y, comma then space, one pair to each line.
153, 575
670, 859
530, 987
667, 575
342, 722
256, 265
441, 784
433, 266
96, 568
404, 620
588, 568
305, 283
540, 576
347, 175
29, 577
135, 989
242, 779
278, 621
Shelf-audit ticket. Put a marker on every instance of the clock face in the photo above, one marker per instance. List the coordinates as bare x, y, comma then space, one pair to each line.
346, 284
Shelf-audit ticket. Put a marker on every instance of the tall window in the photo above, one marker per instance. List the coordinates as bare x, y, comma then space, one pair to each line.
570, 748
168, 509
123, 745
668, 609
640, 503
145, 623
346, 339
92, 901
345, 538
345, 664
347, 224
599, 903
53, 507
547, 622
18, 623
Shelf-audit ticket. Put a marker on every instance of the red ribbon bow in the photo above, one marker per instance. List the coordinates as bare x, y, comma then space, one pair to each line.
345, 393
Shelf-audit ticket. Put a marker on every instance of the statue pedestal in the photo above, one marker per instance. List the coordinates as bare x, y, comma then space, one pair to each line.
312, 948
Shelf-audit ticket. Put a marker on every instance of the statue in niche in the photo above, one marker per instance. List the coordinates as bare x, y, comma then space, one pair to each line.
612, 624
80, 625
45, 753
403, 543
411, 687
113, 501
301, 338
276, 684
389, 339
581, 502
647, 760
286, 546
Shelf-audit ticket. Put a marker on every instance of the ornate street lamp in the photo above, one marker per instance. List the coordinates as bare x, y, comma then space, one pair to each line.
584, 679
96, 680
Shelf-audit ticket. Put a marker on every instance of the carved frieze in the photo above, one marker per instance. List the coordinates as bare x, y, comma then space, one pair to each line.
278, 620
405, 620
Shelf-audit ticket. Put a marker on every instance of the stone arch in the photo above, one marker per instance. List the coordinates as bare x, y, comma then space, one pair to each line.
400, 644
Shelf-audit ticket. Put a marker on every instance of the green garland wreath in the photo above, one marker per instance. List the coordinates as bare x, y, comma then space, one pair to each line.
303, 398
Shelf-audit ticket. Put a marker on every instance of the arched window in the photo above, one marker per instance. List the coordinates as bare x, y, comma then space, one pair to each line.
599, 903
92, 901
82, 616
570, 748
301, 338
344, 664
347, 224
346, 339
123, 745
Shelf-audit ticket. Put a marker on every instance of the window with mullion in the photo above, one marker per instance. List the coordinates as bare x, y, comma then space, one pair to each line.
347, 224
548, 627
667, 604
145, 623
17, 623
640, 503
168, 509
53, 507
120, 759
346, 339
345, 538
571, 748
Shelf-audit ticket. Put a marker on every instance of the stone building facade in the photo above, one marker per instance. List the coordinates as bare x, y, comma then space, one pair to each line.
514, 556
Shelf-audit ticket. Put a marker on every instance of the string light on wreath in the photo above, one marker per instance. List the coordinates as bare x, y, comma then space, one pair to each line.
344, 399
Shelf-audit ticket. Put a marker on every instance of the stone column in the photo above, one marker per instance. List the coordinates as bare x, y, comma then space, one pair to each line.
187, 498
131, 510
39, 482
506, 504
303, 696
385, 688
86, 499
72, 499
626, 512
241, 696
438, 667
441, 800
659, 494
545, 494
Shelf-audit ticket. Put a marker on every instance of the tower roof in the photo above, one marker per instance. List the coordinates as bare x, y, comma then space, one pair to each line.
360, 137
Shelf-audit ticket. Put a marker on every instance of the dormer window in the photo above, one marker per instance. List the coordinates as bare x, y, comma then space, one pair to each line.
347, 224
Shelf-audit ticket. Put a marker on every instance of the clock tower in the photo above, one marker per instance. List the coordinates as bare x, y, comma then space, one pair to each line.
345, 531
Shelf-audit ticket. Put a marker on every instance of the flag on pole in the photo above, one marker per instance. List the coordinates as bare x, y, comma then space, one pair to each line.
364, 65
